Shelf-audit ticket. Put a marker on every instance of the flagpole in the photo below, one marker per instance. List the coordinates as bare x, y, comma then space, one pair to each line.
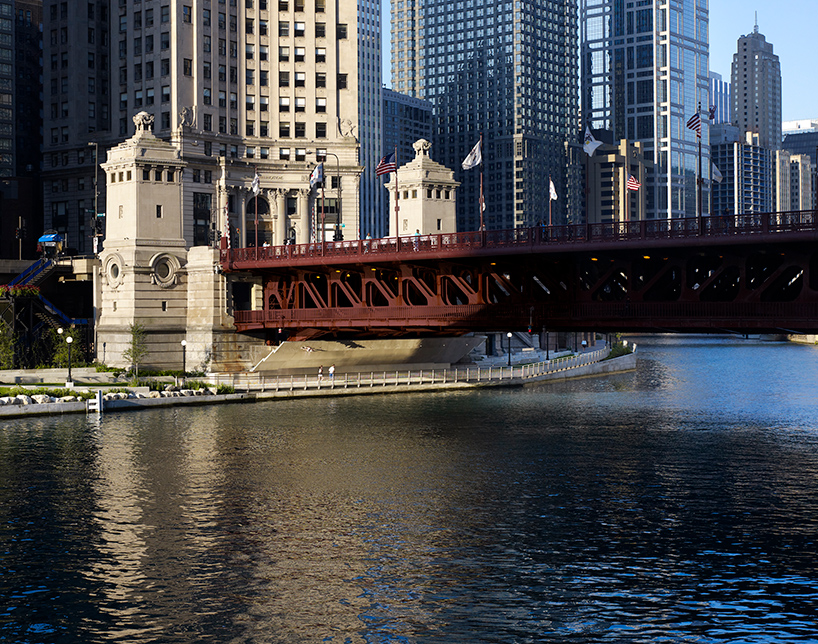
699, 179
255, 198
627, 193
482, 202
550, 200
323, 211
397, 205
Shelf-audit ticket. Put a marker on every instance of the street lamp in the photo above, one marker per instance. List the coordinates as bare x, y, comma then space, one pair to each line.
69, 340
338, 200
509, 347
184, 349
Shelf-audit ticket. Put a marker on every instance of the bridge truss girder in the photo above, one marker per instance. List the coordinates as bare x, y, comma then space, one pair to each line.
746, 288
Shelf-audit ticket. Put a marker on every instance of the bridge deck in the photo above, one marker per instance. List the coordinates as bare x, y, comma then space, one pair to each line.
741, 272
761, 228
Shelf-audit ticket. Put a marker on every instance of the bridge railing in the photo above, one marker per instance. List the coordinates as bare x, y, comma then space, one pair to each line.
372, 379
537, 236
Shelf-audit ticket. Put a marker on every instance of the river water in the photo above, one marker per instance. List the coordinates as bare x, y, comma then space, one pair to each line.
677, 503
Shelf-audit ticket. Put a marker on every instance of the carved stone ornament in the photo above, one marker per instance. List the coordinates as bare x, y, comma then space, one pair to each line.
422, 147
143, 122
186, 117
347, 128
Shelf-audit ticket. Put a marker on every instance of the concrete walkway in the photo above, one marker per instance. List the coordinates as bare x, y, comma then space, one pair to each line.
254, 387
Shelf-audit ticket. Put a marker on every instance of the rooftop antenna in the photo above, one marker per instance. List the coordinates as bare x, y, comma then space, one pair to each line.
756, 27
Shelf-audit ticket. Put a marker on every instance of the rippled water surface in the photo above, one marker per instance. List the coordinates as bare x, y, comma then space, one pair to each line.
674, 504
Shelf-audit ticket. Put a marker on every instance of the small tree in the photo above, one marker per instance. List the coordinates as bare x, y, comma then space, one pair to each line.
137, 347
54, 342
6, 347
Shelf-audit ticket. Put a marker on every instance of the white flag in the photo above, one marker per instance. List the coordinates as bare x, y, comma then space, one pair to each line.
590, 144
553, 190
255, 185
474, 159
317, 175
718, 177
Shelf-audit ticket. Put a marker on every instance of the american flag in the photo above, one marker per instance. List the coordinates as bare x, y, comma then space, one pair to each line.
632, 183
695, 123
386, 165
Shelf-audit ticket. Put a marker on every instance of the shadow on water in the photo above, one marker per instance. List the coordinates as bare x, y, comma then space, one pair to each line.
674, 503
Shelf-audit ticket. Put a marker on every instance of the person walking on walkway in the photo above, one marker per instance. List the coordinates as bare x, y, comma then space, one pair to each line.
416, 239
332, 373
320, 374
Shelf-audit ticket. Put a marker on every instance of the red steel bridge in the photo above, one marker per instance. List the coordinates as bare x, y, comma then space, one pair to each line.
741, 273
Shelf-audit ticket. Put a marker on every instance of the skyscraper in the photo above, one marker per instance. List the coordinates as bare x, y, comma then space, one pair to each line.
503, 71
720, 102
756, 89
644, 74
266, 87
21, 47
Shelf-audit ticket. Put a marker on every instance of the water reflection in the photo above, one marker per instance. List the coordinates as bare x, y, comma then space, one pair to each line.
674, 503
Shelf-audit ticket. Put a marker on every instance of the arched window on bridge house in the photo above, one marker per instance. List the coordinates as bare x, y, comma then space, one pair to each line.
265, 222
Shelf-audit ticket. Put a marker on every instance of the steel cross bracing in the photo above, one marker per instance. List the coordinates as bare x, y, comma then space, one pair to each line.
742, 273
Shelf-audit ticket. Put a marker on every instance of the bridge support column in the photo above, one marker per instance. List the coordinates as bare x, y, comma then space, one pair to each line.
303, 232
281, 216
243, 219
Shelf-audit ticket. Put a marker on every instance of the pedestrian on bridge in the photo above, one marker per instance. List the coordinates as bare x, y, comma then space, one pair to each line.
332, 373
416, 239
320, 374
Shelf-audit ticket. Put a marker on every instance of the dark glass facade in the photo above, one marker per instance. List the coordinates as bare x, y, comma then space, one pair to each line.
506, 71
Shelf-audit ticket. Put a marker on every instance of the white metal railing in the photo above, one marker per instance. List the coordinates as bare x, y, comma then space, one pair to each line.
246, 381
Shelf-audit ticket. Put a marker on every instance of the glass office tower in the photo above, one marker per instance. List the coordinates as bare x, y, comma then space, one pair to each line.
506, 70
644, 72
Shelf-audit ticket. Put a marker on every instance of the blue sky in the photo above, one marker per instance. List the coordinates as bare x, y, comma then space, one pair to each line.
788, 25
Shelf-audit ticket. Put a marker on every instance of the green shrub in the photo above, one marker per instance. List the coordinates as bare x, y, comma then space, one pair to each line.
56, 393
619, 349
225, 389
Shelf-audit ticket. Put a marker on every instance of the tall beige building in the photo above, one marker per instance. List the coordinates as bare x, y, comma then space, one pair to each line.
243, 87
793, 181
756, 90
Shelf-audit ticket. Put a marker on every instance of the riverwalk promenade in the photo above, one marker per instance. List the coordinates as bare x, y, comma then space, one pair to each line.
253, 387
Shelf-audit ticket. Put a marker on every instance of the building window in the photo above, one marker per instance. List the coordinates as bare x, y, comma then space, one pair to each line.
284, 104
299, 29
320, 54
187, 67
320, 105
320, 130
342, 81
186, 14
320, 79
284, 54
300, 130
300, 104
341, 32
284, 154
